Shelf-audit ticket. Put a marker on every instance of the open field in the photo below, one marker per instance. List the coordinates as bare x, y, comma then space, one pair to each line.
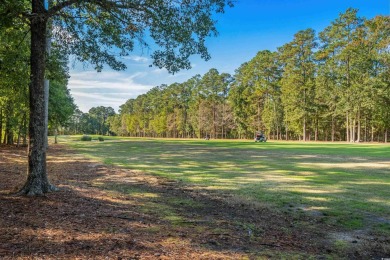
195, 199
348, 184
345, 185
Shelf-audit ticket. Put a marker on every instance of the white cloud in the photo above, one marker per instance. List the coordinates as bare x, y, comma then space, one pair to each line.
107, 88
137, 58
160, 71
96, 97
165, 72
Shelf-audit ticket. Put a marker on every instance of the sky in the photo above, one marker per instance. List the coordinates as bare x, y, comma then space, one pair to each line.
247, 28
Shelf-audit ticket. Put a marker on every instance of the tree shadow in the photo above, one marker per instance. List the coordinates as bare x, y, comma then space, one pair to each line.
104, 211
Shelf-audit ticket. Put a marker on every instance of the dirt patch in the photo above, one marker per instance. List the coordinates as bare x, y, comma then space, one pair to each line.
104, 212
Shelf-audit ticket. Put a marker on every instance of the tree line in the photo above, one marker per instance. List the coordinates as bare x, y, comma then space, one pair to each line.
330, 86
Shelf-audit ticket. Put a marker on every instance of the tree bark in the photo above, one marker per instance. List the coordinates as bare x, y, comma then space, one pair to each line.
1, 123
25, 129
333, 128
8, 131
37, 182
20, 129
347, 127
358, 126
56, 135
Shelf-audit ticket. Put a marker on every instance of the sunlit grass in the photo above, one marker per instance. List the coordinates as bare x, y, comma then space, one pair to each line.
346, 181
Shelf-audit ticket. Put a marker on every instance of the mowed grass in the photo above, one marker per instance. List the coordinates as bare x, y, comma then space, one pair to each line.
347, 184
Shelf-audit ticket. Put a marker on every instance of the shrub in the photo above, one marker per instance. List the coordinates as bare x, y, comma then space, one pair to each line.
100, 138
86, 138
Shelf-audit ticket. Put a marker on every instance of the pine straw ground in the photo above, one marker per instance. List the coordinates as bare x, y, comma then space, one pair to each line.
93, 216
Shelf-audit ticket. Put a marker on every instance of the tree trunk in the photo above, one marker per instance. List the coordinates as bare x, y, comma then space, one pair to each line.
223, 121
347, 127
365, 130
25, 129
19, 132
286, 133
37, 181
10, 137
304, 129
55, 135
6, 115
358, 126
214, 121
8, 132
1, 123
333, 128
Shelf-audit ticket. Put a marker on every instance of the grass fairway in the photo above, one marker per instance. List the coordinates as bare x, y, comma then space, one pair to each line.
348, 185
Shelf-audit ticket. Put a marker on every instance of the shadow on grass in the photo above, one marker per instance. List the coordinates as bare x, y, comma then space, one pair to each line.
343, 186
103, 212
239, 206
324, 176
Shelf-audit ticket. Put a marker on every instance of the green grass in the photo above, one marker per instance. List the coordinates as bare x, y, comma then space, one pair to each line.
349, 184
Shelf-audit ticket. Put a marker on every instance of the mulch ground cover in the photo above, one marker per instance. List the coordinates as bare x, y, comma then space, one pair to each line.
106, 212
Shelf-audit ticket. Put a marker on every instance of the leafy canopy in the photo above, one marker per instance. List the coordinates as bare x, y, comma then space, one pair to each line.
100, 31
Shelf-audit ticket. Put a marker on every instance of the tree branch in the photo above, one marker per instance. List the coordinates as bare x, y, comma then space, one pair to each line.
103, 3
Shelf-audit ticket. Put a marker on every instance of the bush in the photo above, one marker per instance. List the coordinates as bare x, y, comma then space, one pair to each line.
86, 138
100, 138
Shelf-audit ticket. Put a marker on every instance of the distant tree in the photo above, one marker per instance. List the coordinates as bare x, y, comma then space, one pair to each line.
115, 125
212, 95
256, 94
298, 81
377, 82
101, 114
303, 91
61, 104
339, 71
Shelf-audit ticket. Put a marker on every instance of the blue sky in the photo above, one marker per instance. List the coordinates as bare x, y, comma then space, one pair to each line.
249, 27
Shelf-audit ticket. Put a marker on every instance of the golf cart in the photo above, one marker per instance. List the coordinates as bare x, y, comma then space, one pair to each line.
260, 137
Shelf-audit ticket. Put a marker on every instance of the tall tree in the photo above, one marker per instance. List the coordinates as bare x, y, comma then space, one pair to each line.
256, 93
90, 29
377, 44
298, 80
212, 89
339, 52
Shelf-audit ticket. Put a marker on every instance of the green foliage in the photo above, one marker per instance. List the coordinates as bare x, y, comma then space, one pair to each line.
86, 138
61, 103
255, 94
14, 75
297, 83
178, 29
100, 115
101, 138
334, 87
